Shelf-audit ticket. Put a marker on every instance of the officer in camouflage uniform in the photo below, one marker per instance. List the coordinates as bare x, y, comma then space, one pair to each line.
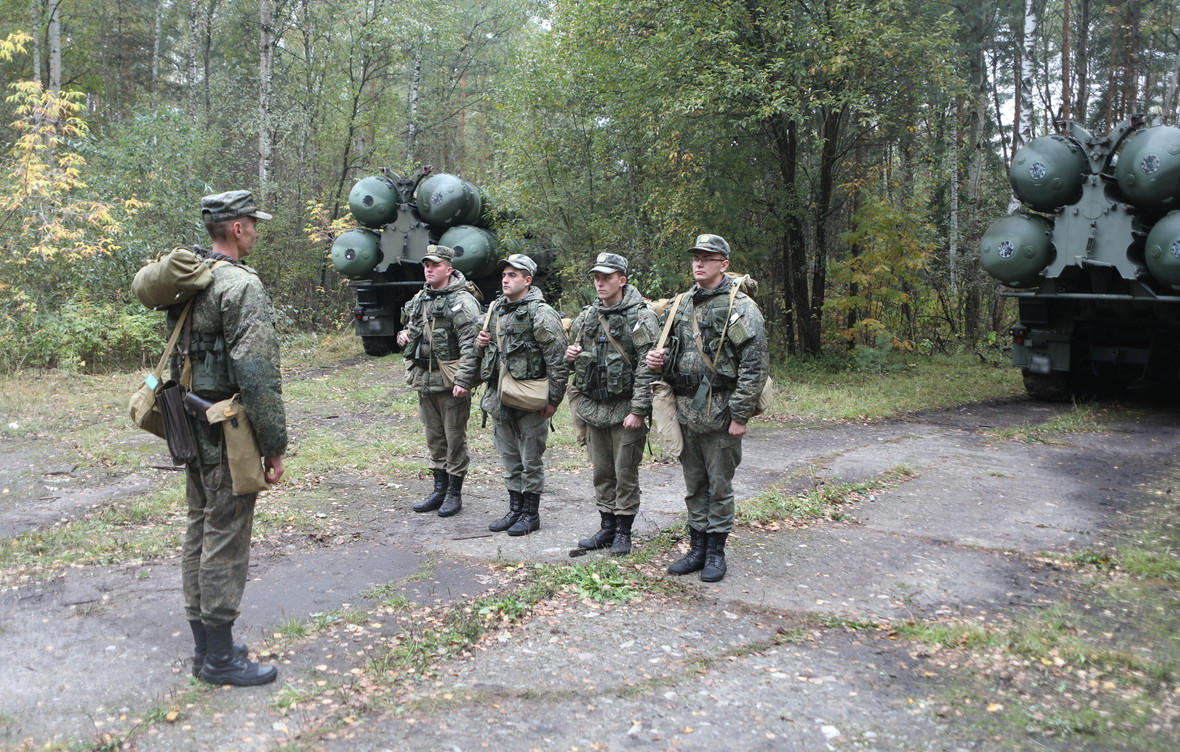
611, 338
233, 348
440, 328
525, 336
713, 408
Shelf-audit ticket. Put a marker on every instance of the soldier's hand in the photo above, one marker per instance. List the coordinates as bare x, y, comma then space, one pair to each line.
737, 430
632, 422
274, 469
460, 392
547, 413
655, 359
571, 352
403, 337
483, 338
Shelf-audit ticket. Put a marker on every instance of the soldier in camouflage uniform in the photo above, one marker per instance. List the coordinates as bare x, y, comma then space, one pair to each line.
440, 329
233, 348
713, 408
611, 338
525, 336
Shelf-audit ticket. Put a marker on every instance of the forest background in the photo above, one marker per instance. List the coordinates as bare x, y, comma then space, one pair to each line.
851, 151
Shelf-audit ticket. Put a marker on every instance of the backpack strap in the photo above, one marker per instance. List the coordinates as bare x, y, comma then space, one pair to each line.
614, 342
668, 324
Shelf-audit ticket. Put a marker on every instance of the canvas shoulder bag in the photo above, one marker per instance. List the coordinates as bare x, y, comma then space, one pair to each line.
663, 400
527, 395
145, 412
241, 447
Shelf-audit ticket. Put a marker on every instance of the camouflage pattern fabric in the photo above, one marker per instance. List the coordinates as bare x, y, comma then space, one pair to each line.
445, 416
534, 341
615, 453
237, 308
636, 328
215, 558
456, 316
709, 461
216, 552
744, 360
520, 439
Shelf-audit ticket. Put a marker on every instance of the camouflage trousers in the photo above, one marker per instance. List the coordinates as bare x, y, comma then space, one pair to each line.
216, 554
520, 439
615, 454
709, 461
444, 416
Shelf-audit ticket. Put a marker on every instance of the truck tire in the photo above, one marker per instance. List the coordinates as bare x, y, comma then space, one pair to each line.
379, 347
1048, 387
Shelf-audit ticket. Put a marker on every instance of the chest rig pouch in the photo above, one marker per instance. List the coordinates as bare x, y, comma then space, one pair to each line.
605, 367
213, 371
515, 347
436, 337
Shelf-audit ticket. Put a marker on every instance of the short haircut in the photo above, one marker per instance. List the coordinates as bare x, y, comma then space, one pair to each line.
218, 230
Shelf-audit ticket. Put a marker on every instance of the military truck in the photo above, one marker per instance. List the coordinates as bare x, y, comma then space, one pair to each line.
400, 217
1094, 255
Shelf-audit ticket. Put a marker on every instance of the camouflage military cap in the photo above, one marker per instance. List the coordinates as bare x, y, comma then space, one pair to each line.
222, 207
712, 244
439, 254
609, 263
522, 262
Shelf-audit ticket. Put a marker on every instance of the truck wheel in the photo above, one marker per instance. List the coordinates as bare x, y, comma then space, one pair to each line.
379, 347
1048, 387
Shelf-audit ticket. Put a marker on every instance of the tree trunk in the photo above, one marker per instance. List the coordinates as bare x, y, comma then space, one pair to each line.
829, 143
1083, 62
1133, 41
264, 75
207, 54
793, 244
156, 57
412, 129
1026, 126
953, 221
1168, 113
193, 37
35, 22
1066, 91
55, 46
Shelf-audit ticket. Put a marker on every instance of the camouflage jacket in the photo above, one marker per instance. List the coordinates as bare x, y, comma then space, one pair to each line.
235, 349
628, 387
454, 316
534, 348
742, 364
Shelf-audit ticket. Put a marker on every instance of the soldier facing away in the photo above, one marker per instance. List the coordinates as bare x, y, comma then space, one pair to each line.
611, 339
234, 348
441, 321
522, 337
717, 390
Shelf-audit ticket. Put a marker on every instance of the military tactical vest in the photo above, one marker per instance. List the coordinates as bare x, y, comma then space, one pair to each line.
213, 371
432, 325
522, 353
710, 322
600, 370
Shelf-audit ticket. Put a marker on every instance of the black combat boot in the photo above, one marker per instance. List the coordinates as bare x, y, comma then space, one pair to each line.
622, 544
714, 569
201, 646
530, 516
695, 558
437, 496
454, 501
222, 666
515, 507
605, 535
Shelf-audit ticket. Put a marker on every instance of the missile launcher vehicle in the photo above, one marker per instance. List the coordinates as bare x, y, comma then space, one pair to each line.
1094, 254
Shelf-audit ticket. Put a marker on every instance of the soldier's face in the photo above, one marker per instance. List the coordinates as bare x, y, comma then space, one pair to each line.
245, 230
514, 283
437, 273
708, 268
609, 286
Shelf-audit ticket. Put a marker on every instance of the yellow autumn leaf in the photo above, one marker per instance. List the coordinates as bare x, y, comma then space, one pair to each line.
172, 716
993, 707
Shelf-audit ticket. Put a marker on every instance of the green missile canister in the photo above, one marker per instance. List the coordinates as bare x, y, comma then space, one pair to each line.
355, 252
1148, 169
1048, 172
475, 250
1016, 249
447, 201
373, 201
1163, 250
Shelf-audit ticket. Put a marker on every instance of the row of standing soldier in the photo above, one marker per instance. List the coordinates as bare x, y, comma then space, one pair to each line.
717, 380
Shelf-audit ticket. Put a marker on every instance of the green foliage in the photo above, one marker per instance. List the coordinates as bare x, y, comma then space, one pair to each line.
828, 500
83, 334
